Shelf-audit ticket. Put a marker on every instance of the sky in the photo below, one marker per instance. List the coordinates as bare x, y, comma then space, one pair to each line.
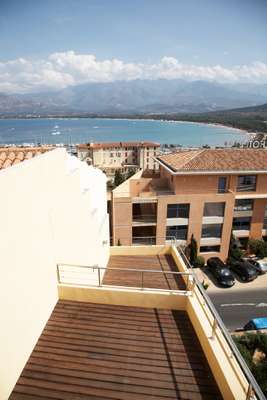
52, 44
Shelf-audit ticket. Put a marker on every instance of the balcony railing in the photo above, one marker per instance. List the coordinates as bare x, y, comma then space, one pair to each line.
70, 274
145, 218
246, 188
151, 240
218, 329
215, 329
144, 240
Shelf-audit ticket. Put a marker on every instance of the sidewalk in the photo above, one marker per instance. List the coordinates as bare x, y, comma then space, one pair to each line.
203, 274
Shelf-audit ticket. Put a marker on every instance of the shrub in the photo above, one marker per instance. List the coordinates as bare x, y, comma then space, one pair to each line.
247, 344
119, 242
258, 247
205, 284
193, 250
199, 262
235, 253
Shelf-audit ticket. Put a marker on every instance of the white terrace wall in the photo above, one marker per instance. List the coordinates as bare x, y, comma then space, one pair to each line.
52, 209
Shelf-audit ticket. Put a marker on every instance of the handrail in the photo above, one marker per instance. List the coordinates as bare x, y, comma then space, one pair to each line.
253, 391
127, 269
135, 270
217, 322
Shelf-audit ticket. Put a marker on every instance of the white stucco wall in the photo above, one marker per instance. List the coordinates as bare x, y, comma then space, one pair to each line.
52, 210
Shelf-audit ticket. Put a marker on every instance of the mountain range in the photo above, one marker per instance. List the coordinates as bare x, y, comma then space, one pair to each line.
135, 97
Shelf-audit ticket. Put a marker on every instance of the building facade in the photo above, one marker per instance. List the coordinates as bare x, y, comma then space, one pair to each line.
121, 156
208, 193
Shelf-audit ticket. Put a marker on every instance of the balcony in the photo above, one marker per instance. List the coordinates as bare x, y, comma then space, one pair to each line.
144, 214
136, 336
246, 183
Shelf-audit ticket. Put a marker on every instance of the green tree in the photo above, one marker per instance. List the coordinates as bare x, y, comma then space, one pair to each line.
193, 250
234, 253
130, 173
118, 178
258, 247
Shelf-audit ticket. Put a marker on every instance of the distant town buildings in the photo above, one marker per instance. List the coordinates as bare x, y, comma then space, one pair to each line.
205, 192
120, 156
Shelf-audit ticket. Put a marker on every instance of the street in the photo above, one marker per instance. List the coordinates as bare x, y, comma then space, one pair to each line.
237, 307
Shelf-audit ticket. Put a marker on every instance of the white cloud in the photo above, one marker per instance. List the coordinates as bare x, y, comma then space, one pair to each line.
64, 69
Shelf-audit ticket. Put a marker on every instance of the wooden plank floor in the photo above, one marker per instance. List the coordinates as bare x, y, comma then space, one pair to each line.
94, 351
151, 280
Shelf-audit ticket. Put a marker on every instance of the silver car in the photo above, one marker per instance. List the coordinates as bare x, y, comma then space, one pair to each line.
260, 265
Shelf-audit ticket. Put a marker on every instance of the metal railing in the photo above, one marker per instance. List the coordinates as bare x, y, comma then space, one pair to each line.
139, 272
193, 287
253, 391
145, 218
148, 240
246, 188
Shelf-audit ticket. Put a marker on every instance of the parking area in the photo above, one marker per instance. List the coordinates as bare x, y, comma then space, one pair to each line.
204, 275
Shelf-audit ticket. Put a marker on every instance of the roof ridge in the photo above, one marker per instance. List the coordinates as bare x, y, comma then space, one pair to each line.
196, 154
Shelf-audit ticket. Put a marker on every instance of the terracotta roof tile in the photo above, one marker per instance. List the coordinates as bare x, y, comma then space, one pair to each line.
7, 163
13, 155
212, 160
3, 155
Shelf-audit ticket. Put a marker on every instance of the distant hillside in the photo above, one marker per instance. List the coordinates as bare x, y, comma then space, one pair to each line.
135, 97
251, 119
259, 110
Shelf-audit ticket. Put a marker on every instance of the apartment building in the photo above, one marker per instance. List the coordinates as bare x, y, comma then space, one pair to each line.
205, 192
82, 320
121, 156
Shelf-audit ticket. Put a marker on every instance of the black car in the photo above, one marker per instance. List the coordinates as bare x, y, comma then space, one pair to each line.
245, 270
221, 272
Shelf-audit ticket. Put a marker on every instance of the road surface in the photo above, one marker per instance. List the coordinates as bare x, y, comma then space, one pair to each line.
237, 307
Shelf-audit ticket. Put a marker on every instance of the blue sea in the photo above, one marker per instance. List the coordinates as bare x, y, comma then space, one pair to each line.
83, 130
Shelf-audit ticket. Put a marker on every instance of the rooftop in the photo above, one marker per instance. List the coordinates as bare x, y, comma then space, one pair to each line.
212, 160
106, 145
102, 351
13, 155
125, 277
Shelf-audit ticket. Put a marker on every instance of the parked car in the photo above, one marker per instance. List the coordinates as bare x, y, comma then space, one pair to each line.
260, 265
245, 270
256, 324
220, 271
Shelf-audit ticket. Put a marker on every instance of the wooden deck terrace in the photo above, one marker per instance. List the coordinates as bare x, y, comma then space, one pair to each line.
150, 280
95, 352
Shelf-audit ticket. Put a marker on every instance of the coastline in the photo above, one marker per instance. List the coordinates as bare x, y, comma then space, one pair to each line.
232, 133
210, 124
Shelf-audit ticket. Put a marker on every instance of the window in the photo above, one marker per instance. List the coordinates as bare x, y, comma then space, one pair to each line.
222, 183
111, 155
211, 231
178, 210
246, 183
209, 249
214, 209
241, 224
179, 232
243, 205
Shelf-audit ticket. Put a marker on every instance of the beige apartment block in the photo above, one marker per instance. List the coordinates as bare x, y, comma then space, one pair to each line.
205, 192
122, 156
